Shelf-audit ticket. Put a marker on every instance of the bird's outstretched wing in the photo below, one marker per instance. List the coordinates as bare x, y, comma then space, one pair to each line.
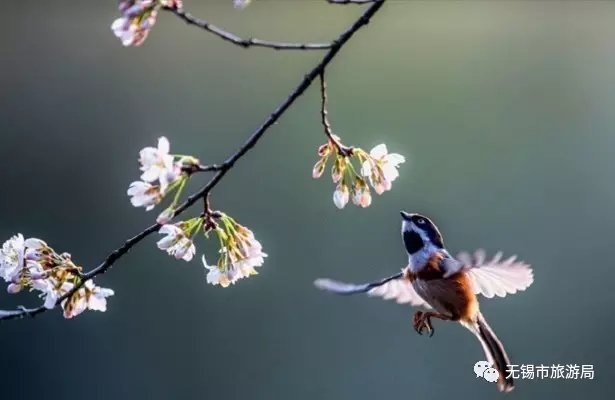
496, 277
393, 287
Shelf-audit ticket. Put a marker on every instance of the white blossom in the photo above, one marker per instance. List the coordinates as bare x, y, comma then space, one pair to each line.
156, 162
170, 175
381, 168
216, 276
16, 254
97, 299
32, 263
176, 243
52, 290
88, 297
12, 257
144, 194
253, 257
239, 262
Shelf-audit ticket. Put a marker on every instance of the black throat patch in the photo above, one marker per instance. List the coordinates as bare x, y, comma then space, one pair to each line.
412, 241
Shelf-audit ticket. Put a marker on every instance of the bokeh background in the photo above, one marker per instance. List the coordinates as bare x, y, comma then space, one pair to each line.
505, 113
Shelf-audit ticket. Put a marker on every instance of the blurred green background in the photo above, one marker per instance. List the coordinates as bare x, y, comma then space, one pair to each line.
503, 109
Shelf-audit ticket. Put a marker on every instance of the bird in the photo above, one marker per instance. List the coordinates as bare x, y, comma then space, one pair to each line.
447, 286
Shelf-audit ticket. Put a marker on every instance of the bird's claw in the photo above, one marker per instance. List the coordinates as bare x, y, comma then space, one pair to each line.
422, 321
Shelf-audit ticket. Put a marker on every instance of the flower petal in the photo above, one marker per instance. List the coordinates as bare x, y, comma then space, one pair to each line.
138, 187
163, 145
395, 159
379, 151
97, 303
366, 168
210, 267
169, 229
166, 242
50, 300
118, 26
390, 172
34, 243
150, 174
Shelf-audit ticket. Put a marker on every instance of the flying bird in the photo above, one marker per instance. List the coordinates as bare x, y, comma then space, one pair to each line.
447, 286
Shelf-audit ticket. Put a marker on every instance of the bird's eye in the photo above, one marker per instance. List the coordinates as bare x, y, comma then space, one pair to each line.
421, 221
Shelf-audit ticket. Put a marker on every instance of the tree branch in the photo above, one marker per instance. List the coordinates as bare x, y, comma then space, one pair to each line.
324, 120
222, 169
236, 40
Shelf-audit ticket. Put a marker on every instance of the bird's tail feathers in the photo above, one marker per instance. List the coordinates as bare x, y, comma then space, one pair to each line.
494, 351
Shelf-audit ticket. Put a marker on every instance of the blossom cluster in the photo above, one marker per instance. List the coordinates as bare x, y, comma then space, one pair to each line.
378, 167
31, 263
240, 252
161, 174
138, 18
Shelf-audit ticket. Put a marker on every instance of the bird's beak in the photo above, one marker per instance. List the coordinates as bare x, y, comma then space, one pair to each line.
405, 215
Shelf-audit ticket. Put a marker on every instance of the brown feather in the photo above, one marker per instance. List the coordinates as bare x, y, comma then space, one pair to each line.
453, 295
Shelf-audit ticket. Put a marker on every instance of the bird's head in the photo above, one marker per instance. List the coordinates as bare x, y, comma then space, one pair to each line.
420, 234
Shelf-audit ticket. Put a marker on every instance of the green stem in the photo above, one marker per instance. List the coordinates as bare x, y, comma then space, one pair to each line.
229, 223
352, 169
196, 227
182, 183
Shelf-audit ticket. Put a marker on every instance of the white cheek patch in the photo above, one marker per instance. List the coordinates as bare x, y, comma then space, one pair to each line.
406, 226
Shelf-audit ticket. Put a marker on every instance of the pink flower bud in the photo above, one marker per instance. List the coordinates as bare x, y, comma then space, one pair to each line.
324, 150
341, 196
165, 216
319, 168
13, 288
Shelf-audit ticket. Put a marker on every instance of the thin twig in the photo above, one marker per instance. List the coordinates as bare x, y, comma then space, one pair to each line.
224, 168
323, 109
207, 204
245, 43
341, 149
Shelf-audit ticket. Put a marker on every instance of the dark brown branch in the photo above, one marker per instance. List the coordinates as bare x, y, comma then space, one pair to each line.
323, 109
245, 43
206, 204
341, 149
194, 168
208, 168
308, 79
